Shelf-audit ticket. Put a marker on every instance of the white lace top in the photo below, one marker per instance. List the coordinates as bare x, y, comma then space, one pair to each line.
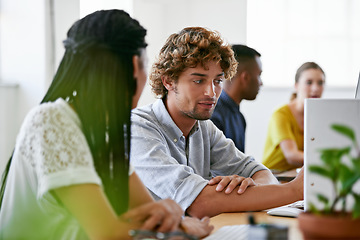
51, 152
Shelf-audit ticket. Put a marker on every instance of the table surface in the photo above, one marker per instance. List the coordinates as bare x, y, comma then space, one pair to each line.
226, 219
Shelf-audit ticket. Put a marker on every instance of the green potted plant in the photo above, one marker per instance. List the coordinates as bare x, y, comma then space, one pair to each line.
335, 220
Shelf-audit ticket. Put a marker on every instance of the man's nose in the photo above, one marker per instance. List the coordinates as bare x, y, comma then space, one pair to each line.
210, 90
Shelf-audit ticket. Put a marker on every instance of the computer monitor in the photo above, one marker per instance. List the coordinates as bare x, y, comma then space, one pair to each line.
357, 91
320, 114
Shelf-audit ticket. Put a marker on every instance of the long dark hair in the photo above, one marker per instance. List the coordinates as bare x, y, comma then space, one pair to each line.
96, 77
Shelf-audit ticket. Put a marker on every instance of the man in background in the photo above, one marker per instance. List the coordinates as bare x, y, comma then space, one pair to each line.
244, 85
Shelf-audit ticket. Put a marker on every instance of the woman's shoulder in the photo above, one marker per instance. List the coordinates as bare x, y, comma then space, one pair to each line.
284, 109
59, 105
47, 111
55, 116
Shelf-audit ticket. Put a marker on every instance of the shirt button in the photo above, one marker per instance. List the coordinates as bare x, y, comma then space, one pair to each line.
175, 140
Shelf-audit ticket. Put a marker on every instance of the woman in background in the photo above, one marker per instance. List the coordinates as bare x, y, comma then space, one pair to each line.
69, 176
284, 145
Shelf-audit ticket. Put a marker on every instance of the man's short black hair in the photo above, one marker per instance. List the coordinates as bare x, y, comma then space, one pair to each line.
244, 53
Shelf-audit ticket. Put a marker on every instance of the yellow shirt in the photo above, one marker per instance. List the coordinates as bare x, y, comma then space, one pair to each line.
282, 126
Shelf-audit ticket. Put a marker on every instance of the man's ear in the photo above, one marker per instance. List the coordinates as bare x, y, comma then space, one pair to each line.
244, 77
168, 84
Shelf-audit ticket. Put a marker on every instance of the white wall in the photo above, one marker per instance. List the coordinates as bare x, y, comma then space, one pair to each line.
22, 61
289, 33
27, 58
164, 17
65, 13
23, 49
8, 127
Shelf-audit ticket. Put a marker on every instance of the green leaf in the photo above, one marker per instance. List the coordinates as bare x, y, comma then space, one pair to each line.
321, 171
356, 164
347, 179
356, 208
313, 209
332, 156
345, 130
323, 199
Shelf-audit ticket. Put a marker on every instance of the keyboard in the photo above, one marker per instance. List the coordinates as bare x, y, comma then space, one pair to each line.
298, 204
290, 210
234, 232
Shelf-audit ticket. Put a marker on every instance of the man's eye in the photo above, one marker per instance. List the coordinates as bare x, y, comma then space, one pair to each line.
218, 81
197, 81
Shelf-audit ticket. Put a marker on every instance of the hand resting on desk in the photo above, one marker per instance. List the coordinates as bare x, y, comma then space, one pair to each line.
259, 197
230, 182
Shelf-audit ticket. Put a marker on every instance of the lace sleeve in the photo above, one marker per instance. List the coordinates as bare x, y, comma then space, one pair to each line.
56, 148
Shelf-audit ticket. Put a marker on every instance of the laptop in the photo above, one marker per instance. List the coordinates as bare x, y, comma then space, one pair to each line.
357, 91
320, 114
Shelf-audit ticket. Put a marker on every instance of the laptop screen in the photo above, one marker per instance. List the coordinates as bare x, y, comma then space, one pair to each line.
357, 91
320, 114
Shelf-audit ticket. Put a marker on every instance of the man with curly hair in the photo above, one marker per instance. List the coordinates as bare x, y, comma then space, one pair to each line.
179, 153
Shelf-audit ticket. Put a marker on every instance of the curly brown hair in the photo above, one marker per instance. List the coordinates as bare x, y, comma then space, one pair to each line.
186, 49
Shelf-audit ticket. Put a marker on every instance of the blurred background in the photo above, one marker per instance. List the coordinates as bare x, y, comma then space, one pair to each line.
286, 33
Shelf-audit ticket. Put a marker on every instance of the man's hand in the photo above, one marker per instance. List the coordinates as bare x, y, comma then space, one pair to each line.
230, 182
162, 216
197, 227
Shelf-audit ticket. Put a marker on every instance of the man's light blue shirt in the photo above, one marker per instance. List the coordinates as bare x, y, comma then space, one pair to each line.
171, 166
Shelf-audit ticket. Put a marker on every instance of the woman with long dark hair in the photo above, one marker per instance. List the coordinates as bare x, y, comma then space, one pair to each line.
69, 176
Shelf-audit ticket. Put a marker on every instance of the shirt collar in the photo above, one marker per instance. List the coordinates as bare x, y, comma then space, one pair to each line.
228, 100
167, 122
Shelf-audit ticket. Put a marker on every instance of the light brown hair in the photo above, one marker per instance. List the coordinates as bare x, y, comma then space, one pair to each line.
186, 49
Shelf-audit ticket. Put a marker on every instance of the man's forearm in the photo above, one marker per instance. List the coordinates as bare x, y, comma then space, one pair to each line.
264, 177
210, 202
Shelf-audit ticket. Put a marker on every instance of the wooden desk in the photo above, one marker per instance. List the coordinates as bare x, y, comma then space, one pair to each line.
286, 176
225, 219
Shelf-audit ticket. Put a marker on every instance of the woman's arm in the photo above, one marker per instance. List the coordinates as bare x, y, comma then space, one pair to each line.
164, 215
291, 152
141, 198
89, 205
138, 193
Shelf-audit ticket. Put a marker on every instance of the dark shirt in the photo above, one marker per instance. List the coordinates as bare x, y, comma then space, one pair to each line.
228, 118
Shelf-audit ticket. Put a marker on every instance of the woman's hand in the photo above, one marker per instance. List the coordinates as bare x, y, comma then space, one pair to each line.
162, 216
196, 227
